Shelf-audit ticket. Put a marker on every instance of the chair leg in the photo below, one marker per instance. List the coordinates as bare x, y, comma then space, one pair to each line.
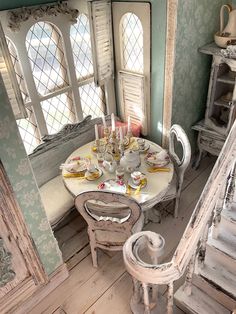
176, 209
93, 248
94, 255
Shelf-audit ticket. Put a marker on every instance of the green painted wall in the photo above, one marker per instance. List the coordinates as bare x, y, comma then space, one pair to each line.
197, 22
158, 68
18, 168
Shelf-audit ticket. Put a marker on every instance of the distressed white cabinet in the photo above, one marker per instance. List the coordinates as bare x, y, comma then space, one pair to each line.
21, 272
220, 108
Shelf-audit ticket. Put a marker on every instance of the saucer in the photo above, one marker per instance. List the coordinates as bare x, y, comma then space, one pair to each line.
135, 186
95, 175
75, 166
112, 185
153, 159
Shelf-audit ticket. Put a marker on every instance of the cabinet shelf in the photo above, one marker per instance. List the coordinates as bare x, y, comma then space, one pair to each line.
221, 107
225, 78
222, 103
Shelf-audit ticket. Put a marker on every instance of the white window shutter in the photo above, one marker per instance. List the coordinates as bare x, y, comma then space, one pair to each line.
133, 99
102, 41
10, 80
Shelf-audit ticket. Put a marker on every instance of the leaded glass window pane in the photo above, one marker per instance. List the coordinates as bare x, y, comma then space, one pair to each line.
132, 43
18, 70
92, 100
81, 47
58, 112
28, 131
45, 51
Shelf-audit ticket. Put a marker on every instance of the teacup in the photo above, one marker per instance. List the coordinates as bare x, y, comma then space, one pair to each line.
136, 177
120, 172
91, 171
141, 143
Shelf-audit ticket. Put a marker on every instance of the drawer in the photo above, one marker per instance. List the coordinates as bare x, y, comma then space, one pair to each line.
210, 144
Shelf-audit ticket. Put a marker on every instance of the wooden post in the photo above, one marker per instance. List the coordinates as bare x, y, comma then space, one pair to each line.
202, 250
189, 275
146, 298
136, 290
230, 189
170, 298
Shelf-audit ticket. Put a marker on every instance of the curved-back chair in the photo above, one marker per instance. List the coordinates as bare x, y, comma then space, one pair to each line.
111, 217
174, 190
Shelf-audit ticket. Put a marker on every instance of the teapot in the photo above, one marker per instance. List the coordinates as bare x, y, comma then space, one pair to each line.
227, 33
130, 161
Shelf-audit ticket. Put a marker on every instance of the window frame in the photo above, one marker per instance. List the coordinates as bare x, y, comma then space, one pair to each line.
63, 25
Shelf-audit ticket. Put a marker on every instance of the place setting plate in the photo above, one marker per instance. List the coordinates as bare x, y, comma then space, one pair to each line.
75, 166
157, 159
95, 175
113, 185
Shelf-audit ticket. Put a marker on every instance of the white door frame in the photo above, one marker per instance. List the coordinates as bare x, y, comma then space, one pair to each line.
142, 10
172, 10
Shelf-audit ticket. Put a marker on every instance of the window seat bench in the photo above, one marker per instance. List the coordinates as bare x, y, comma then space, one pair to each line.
56, 199
47, 158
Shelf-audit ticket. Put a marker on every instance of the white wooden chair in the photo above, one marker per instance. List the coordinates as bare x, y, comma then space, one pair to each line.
174, 190
109, 225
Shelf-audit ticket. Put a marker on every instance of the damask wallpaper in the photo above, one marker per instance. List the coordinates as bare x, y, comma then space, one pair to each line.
18, 168
197, 22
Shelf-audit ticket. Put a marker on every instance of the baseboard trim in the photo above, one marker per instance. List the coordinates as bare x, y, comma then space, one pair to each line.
55, 279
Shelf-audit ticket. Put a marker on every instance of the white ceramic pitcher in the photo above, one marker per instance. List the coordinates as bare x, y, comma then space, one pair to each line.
230, 29
227, 33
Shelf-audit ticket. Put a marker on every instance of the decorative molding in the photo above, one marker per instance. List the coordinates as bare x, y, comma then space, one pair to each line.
18, 16
172, 9
6, 273
69, 131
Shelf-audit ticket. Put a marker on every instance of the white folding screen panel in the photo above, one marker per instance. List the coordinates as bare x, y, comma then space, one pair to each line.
133, 99
10, 80
102, 41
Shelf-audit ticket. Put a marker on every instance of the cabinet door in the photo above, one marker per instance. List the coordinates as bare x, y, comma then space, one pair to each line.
21, 272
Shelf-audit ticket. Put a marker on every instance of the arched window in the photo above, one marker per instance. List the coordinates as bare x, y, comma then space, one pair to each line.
132, 43
46, 55
92, 98
45, 51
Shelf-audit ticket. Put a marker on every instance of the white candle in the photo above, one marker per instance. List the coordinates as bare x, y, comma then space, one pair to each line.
96, 131
113, 126
129, 124
121, 134
104, 121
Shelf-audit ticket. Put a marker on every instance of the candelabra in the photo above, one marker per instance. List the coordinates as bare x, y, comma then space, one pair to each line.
113, 141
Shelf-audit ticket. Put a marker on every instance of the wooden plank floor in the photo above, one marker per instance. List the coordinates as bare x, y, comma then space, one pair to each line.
108, 289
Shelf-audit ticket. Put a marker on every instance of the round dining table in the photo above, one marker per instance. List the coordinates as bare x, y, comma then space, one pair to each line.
147, 197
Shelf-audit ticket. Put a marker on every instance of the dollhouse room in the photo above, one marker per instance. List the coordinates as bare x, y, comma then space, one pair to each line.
117, 157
